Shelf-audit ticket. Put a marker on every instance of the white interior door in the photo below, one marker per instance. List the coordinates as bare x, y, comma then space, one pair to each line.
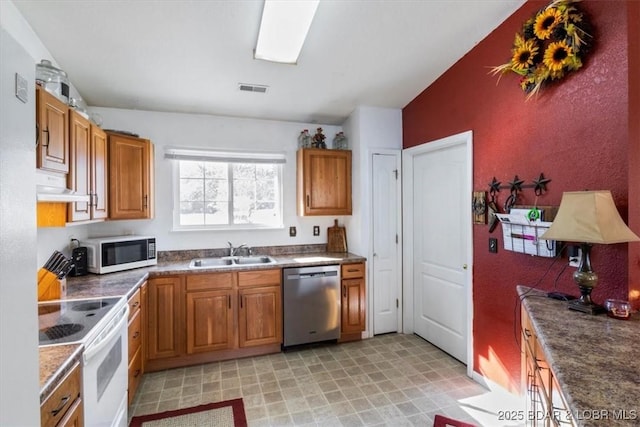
386, 279
440, 248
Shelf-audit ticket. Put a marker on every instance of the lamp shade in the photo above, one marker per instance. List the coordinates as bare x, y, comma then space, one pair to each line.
589, 217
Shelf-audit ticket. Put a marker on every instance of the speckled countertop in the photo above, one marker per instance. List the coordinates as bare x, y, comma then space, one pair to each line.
55, 361
596, 359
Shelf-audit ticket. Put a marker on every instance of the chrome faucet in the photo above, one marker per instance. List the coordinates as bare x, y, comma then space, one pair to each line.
232, 250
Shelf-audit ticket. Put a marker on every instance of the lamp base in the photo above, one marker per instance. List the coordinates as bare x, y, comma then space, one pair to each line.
589, 308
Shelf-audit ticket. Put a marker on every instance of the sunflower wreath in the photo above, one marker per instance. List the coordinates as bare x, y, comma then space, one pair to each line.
553, 43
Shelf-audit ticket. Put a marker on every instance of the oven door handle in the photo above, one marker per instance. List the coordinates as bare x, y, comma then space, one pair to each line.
90, 352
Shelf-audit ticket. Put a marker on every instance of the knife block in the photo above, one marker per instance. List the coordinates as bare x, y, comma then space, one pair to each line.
49, 287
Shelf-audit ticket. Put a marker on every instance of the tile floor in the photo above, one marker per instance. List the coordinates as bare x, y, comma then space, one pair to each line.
389, 380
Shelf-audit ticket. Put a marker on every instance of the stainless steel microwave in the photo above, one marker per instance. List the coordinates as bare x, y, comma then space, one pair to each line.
118, 253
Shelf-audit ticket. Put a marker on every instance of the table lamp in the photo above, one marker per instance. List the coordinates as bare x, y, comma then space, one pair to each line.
587, 218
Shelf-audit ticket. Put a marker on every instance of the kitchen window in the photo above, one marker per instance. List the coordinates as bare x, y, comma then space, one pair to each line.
226, 190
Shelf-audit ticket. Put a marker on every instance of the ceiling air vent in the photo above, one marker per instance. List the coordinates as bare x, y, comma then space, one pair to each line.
253, 88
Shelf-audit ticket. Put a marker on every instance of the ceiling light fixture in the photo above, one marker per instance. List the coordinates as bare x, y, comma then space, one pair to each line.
283, 29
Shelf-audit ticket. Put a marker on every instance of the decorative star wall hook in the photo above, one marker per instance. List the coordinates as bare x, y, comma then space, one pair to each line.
516, 184
540, 184
494, 186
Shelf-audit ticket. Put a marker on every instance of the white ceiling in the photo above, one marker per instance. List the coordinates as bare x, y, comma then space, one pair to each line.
189, 55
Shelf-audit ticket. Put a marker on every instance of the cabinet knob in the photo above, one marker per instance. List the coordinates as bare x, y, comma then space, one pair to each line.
464, 266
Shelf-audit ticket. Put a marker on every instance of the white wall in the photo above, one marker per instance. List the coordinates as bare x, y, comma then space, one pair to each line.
192, 130
369, 128
19, 373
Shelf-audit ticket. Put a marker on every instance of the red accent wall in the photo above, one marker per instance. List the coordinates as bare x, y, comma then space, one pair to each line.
634, 150
576, 132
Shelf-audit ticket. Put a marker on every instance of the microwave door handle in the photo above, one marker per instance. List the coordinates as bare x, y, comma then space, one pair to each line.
93, 350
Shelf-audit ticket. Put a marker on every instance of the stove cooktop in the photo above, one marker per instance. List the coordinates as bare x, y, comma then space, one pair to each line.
71, 321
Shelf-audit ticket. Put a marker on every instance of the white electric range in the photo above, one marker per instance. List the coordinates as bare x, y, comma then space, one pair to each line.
100, 324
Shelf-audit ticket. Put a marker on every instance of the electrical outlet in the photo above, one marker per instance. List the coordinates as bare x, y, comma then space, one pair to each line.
575, 253
292, 232
493, 245
316, 230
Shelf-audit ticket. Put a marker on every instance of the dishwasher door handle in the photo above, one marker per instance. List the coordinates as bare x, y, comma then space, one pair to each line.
312, 275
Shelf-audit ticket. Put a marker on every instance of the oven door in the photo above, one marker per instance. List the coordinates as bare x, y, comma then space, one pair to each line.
104, 375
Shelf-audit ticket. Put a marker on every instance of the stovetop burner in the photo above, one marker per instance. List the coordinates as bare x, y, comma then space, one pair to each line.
90, 306
60, 331
70, 321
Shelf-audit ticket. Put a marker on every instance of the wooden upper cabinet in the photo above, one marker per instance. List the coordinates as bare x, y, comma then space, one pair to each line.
88, 169
79, 177
130, 177
52, 127
324, 182
99, 174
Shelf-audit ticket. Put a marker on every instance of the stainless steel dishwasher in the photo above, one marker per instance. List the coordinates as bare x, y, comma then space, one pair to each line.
311, 304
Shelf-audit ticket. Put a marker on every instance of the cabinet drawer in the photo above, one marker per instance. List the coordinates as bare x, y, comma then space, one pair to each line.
351, 271
135, 375
134, 304
58, 403
135, 334
201, 282
74, 416
259, 278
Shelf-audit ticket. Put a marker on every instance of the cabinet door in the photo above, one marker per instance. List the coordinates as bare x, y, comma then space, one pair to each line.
99, 174
130, 171
260, 317
165, 324
324, 182
52, 127
353, 306
210, 317
79, 177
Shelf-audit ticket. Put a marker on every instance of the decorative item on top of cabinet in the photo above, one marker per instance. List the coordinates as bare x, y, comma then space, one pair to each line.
323, 182
137, 309
88, 169
318, 139
340, 142
52, 132
130, 177
63, 407
353, 302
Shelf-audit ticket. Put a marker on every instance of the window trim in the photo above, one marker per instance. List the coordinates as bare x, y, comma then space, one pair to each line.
179, 154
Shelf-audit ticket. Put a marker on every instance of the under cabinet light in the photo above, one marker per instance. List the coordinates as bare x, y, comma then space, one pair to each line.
283, 29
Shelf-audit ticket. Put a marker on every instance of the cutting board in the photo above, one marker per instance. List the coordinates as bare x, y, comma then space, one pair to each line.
336, 238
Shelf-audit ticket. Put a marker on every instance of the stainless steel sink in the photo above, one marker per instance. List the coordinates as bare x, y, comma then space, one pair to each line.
254, 260
218, 262
210, 262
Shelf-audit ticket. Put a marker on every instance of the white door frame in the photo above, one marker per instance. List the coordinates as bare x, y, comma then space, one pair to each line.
370, 308
408, 154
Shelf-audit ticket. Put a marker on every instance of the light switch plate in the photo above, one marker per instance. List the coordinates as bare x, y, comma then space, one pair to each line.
22, 88
292, 232
493, 245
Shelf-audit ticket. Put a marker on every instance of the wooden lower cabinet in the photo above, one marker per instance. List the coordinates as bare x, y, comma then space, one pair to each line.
353, 319
210, 325
546, 405
63, 407
220, 316
165, 323
260, 320
137, 314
